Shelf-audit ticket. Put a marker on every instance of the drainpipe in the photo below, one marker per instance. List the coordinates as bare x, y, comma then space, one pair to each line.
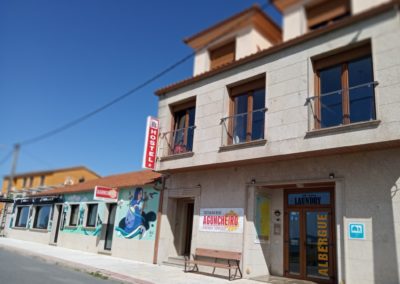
159, 215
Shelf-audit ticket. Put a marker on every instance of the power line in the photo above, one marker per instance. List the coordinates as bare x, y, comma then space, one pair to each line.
124, 96
107, 105
36, 158
6, 157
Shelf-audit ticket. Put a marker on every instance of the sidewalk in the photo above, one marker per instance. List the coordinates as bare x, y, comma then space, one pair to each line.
124, 270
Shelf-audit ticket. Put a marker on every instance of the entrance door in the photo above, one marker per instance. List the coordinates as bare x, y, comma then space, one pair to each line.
189, 228
112, 208
309, 242
60, 213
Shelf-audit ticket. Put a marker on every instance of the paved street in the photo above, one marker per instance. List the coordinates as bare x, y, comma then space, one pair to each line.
17, 268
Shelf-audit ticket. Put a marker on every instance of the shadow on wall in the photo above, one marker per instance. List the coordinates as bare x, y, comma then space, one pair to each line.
380, 204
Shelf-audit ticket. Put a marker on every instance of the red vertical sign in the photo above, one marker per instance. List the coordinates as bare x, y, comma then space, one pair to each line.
150, 143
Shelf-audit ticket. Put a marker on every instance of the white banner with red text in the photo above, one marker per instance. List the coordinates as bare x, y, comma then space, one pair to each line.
223, 220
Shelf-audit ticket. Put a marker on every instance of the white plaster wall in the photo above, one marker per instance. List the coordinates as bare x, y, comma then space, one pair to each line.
289, 81
85, 243
201, 62
358, 6
138, 250
250, 41
31, 235
367, 190
294, 21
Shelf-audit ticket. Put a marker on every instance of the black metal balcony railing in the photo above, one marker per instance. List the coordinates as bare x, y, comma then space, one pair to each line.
361, 105
243, 127
178, 141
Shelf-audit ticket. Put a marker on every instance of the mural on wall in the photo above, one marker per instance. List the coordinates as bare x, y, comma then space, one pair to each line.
137, 214
82, 199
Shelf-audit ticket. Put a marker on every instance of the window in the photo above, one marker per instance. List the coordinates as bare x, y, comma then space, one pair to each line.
42, 178
42, 217
73, 219
322, 13
222, 55
183, 128
24, 182
30, 182
345, 88
247, 112
22, 216
92, 215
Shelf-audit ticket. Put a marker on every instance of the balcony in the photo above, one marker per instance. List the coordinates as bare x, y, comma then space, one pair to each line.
243, 128
353, 105
177, 143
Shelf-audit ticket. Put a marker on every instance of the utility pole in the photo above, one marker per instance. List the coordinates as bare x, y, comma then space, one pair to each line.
9, 187
13, 168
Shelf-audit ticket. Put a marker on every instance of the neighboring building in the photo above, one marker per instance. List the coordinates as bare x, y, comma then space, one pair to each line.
287, 148
32, 182
71, 217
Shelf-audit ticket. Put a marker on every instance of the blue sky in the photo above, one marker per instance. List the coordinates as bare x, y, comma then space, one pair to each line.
62, 59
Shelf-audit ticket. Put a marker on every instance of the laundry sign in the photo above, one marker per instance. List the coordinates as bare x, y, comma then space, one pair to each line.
222, 220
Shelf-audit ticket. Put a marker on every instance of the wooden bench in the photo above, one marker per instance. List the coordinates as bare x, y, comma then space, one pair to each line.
209, 257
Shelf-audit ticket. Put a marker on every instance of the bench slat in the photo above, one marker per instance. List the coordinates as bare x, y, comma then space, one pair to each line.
218, 254
214, 264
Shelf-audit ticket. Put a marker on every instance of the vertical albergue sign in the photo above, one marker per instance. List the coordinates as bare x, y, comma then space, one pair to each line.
150, 143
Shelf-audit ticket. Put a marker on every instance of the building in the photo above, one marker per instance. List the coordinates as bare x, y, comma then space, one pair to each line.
285, 144
32, 182
122, 226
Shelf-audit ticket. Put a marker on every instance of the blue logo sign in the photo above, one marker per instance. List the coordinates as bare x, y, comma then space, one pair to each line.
357, 231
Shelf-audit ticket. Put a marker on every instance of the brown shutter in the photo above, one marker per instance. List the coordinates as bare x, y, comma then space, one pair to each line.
326, 11
222, 55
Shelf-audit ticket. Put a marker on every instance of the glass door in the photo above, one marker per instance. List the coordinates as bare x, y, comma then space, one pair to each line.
318, 243
110, 226
309, 243
294, 243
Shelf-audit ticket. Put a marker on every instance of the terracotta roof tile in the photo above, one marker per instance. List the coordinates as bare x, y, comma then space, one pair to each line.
120, 180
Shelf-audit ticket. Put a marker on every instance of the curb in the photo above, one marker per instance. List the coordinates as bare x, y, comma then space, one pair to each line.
77, 267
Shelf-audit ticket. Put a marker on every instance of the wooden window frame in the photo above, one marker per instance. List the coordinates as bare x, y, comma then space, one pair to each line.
235, 91
214, 58
341, 58
175, 109
324, 12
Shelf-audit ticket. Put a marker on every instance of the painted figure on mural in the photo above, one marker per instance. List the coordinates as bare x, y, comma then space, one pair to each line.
136, 221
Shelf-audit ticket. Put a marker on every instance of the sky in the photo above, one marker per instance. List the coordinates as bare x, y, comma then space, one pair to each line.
62, 59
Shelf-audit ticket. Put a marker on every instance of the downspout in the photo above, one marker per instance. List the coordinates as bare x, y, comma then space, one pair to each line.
159, 215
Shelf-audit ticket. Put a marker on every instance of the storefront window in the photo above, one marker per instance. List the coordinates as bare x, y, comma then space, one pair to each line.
92, 215
22, 216
42, 217
73, 221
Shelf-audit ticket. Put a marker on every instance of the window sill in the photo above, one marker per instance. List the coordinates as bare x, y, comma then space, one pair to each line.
177, 156
244, 145
70, 227
89, 228
39, 230
20, 228
343, 128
